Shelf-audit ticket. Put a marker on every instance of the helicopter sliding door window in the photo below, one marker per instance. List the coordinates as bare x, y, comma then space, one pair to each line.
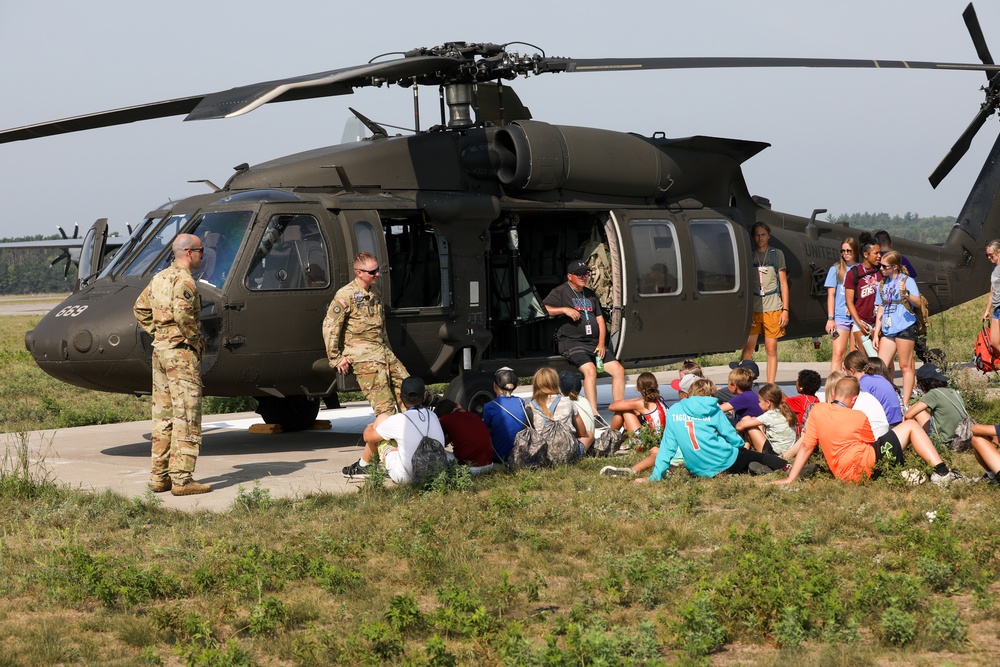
158, 247
715, 256
291, 255
657, 267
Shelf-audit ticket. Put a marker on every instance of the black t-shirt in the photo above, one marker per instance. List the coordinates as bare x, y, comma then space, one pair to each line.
590, 309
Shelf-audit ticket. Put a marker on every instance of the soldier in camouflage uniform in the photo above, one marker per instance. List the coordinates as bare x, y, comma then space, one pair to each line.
354, 331
169, 309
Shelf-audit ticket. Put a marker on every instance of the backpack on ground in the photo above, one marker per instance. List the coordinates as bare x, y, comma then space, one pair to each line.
985, 357
553, 444
607, 443
429, 459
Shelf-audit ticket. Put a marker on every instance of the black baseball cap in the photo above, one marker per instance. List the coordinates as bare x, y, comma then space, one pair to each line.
748, 364
413, 389
578, 268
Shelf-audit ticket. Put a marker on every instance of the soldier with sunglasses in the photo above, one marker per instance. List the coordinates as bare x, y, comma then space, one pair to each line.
355, 336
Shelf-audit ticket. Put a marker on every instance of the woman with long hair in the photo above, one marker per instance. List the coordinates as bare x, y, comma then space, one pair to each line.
773, 432
857, 365
838, 319
895, 332
547, 402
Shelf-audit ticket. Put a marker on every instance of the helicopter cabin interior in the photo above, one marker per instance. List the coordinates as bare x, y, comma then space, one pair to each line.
527, 258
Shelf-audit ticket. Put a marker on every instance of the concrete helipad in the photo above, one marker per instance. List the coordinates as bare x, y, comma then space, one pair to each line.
116, 457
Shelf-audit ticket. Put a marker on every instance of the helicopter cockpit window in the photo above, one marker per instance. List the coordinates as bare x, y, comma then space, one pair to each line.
657, 257
715, 255
221, 235
155, 247
417, 262
291, 255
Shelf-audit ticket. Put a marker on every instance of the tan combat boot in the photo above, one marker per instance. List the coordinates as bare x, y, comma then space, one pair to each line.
190, 488
161, 485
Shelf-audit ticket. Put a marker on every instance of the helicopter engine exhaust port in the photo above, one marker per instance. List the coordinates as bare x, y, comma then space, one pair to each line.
539, 156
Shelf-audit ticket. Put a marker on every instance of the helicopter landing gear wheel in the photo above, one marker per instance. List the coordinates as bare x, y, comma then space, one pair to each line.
472, 391
292, 413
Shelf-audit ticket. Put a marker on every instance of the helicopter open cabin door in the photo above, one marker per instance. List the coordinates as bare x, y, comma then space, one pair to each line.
680, 273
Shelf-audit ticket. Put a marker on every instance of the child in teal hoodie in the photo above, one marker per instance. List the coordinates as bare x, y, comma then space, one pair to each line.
706, 438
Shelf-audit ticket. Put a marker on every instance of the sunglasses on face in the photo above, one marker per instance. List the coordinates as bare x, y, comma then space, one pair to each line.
885, 266
371, 272
201, 250
846, 251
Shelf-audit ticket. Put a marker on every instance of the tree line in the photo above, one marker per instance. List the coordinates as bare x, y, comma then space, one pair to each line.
28, 270
933, 229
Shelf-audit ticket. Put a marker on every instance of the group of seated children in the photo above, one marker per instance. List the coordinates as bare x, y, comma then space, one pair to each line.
857, 421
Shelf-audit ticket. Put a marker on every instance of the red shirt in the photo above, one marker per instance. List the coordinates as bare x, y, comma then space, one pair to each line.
469, 437
798, 404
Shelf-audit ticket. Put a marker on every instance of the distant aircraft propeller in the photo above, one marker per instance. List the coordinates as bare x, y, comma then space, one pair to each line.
64, 255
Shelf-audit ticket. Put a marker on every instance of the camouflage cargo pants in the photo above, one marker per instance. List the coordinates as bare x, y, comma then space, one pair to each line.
380, 382
176, 414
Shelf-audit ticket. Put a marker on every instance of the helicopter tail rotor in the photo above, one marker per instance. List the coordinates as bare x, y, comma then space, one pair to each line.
988, 108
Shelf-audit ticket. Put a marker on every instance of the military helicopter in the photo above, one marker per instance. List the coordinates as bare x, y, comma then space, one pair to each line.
473, 220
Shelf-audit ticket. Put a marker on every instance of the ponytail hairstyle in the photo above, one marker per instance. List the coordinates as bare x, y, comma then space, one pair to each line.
692, 367
648, 388
772, 393
842, 265
859, 362
879, 368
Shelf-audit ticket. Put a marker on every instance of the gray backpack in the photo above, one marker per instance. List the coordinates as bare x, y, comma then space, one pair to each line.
553, 444
429, 459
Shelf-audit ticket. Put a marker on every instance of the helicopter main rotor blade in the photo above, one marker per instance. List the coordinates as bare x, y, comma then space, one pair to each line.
244, 99
978, 39
961, 146
627, 64
102, 119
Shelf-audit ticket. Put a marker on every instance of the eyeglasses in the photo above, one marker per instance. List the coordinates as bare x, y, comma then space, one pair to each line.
846, 251
371, 272
201, 250
885, 266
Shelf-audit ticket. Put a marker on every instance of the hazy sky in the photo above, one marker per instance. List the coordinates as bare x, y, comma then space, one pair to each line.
845, 140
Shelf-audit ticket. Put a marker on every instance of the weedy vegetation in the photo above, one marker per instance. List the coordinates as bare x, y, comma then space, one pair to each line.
543, 567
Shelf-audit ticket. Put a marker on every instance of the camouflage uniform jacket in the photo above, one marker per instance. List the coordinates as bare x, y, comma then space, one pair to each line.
169, 309
355, 325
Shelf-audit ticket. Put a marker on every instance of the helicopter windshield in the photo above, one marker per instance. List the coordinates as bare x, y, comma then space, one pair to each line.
221, 235
156, 245
137, 238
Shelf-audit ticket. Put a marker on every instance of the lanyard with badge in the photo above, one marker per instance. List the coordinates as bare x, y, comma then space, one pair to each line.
584, 305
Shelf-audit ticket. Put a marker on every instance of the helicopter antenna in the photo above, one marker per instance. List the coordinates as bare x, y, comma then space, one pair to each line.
377, 130
416, 105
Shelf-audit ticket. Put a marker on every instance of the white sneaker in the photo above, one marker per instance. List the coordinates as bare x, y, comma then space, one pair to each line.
611, 471
944, 480
913, 476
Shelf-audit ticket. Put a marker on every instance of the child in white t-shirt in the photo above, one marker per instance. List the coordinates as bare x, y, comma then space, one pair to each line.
773, 432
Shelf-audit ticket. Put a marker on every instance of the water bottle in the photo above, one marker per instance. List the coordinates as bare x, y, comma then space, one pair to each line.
600, 364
